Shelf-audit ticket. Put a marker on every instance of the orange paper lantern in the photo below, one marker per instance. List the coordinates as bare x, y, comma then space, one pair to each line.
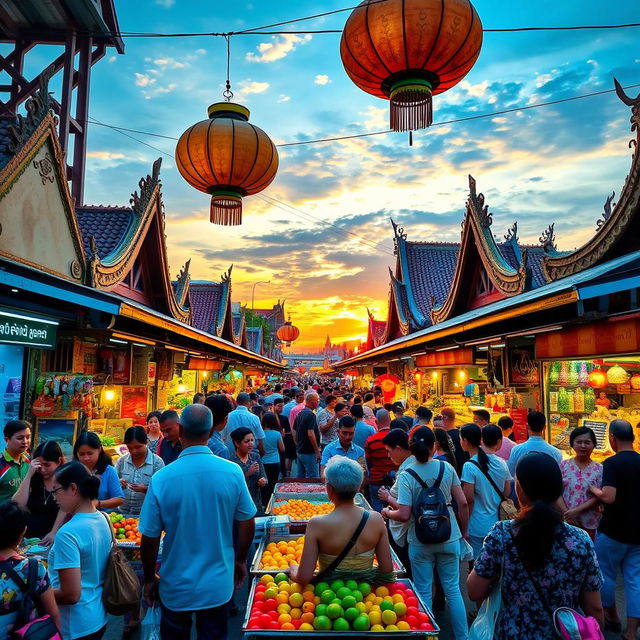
597, 379
227, 157
407, 51
287, 333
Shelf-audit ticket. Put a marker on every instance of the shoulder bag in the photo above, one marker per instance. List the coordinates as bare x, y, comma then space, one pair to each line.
121, 589
507, 509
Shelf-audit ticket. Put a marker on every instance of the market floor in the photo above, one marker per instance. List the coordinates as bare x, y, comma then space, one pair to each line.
114, 628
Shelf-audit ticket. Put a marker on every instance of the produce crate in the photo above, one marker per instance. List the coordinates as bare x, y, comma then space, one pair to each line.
304, 487
280, 633
278, 500
398, 568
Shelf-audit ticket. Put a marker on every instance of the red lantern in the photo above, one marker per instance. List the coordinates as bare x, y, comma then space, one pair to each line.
597, 379
407, 51
635, 381
287, 333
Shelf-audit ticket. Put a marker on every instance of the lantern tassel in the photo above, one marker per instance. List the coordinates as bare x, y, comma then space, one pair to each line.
411, 107
226, 210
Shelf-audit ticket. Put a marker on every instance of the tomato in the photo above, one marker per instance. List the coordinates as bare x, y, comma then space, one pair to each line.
411, 602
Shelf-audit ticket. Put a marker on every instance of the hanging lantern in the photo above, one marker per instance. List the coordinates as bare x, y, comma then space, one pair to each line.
287, 333
227, 157
617, 375
597, 379
407, 51
635, 381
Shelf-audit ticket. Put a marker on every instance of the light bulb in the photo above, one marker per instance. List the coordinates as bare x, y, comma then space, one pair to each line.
109, 395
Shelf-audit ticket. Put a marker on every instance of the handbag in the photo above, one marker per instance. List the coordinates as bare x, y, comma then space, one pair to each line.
42, 628
483, 627
507, 509
121, 589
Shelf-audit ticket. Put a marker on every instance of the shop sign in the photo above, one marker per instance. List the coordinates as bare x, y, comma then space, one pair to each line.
151, 373
85, 357
522, 366
519, 417
16, 328
590, 340
600, 429
452, 357
203, 364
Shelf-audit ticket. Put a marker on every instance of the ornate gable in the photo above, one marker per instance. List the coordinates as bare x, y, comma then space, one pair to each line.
210, 304
376, 331
619, 227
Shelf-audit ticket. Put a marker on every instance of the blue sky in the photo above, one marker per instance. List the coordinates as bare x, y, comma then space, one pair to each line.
539, 166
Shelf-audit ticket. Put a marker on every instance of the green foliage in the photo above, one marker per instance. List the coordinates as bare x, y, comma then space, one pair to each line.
256, 320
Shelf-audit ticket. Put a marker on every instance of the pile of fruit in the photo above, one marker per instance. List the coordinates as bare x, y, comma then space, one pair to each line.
302, 509
282, 554
125, 529
280, 604
301, 487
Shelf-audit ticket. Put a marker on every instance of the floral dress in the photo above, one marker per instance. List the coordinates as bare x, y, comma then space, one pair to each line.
576, 489
571, 568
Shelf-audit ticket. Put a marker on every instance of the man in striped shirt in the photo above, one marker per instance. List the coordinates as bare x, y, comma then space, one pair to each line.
378, 461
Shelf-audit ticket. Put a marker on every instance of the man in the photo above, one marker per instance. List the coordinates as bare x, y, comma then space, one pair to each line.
298, 398
481, 417
449, 423
287, 436
242, 417
363, 430
277, 393
506, 424
618, 537
536, 424
253, 399
299, 406
398, 412
328, 419
220, 407
307, 437
343, 445
195, 501
14, 463
423, 419
170, 447
378, 461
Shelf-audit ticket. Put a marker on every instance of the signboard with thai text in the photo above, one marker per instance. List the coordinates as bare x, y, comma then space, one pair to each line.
16, 328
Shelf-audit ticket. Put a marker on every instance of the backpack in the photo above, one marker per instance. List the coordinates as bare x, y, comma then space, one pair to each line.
42, 628
571, 625
432, 521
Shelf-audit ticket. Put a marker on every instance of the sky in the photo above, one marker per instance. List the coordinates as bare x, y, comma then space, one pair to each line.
320, 233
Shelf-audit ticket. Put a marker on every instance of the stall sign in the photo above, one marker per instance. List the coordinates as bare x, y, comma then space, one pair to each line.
134, 404
600, 429
522, 366
16, 328
151, 373
519, 417
203, 364
85, 357
452, 357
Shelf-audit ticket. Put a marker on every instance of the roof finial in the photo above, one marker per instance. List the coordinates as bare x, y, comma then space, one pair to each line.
548, 239
608, 208
512, 233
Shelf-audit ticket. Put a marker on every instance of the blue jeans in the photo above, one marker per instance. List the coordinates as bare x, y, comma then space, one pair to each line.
611, 556
308, 466
376, 503
211, 624
446, 558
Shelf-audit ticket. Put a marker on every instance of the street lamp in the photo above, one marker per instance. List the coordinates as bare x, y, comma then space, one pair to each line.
253, 293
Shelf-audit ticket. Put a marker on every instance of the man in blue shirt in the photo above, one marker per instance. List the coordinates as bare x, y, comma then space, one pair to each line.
220, 407
343, 446
363, 430
536, 424
195, 501
242, 417
298, 398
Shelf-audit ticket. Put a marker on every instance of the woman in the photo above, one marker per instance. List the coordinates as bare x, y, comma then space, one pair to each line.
80, 553
327, 536
250, 463
273, 448
482, 498
444, 447
35, 493
89, 451
135, 470
544, 562
153, 431
13, 524
444, 556
578, 474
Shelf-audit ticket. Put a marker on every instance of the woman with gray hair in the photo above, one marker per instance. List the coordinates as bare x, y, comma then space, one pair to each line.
345, 540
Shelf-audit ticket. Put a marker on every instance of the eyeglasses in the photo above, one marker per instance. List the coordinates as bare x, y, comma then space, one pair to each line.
53, 493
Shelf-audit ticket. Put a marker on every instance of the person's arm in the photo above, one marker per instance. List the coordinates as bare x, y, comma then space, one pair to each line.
312, 439
607, 495
469, 490
21, 496
302, 574
463, 510
49, 606
401, 514
591, 604
61, 518
322, 468
246, 532
70, 586
383, 549
478, 588
149, 548
115, 495
262, 474
280, 444
327, 424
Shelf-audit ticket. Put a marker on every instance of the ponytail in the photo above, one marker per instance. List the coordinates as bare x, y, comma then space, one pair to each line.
446, 444
422, 443
473, 435
76, 473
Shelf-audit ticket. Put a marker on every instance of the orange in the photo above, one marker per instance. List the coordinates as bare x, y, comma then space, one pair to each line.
308, 606
295, 614
307, 617
288, 626
284, 617
281, 598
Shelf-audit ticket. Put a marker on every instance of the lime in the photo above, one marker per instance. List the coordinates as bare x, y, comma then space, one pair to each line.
385, 605
364, 589
321, 610
400, 608
357, 595
351, 614
348, 602
320, 587
327, 596
322, 623
351, 584
361, 623
340, 625
337, 584
334, 611
343, 592
280, 577
389, 617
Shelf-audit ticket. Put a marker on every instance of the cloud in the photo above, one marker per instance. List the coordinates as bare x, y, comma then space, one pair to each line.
169, 63
104, 155
279, 47
322, 79
283, 97
112, 59
144, 79
249, 87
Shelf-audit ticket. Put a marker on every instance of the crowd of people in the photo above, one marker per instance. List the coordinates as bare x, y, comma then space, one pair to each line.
547, 532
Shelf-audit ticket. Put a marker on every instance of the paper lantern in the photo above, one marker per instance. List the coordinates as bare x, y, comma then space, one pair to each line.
597, 379
617, 375
635, 381
287, 333
407, 51
227, 157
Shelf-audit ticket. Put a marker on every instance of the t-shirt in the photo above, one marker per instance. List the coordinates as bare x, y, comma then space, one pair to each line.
505, 449
535, 444
378, 461
363, 431
169, 451
12, 473
42, 509
621, 520
325, 416
305, 422
271, 451
127, 470
110, 484
486, 502
82, 543
409, 490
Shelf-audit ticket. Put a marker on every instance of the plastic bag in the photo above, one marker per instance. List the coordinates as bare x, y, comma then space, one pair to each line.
484, 625
150, 625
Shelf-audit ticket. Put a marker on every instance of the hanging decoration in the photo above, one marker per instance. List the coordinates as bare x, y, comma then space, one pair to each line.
554, 372
388, 383
617, 375
597, 379
563, 378
407, 51
288, 333
227, 157
635, 381
589, 400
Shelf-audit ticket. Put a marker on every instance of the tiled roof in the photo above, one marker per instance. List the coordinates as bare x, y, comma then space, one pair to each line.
5, 137
536, 255
205, 300
107, 224
431, 269
254, 338
237, 323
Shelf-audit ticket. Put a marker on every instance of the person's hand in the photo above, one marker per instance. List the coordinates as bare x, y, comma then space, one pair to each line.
595, 490
253, 469
150, 592
383, 494
47, 541
35, 466
123, 483
240, 573
318, 456
262, 482
293, 572
571, 516
385, 513
140, 488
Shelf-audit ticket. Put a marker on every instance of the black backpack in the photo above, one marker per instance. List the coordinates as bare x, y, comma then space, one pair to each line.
431, 511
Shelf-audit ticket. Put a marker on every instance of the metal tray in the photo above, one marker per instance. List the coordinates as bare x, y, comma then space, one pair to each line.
275, 500
277, 489
279, 633
398, 568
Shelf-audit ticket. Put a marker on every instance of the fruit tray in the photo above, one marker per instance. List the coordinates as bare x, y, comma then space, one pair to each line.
314, 498
299, 487
255, 570
262, 619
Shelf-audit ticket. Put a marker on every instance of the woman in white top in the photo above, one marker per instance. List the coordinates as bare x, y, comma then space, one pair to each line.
445, 556
79, 555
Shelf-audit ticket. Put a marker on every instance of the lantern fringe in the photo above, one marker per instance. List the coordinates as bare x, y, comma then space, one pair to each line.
226, 211
411, 109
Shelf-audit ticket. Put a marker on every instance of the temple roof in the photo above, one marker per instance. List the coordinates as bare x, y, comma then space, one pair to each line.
205, 299
5, 140
107, 224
